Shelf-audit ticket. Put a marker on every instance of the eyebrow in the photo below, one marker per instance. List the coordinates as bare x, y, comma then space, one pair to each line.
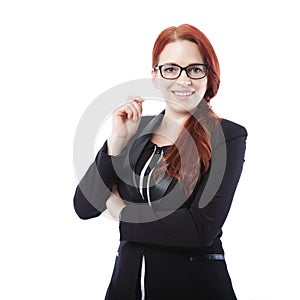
173, 63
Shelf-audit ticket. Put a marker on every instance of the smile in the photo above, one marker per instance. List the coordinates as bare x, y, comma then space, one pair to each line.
183, 94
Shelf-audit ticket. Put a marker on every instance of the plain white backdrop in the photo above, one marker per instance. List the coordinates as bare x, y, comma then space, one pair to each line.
56, 57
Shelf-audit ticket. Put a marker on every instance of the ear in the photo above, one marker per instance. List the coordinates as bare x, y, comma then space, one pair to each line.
154, 78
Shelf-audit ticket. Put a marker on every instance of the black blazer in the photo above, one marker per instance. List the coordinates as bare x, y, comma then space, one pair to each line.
188, 225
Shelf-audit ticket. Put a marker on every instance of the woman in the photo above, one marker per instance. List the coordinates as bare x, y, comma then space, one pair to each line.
169, 180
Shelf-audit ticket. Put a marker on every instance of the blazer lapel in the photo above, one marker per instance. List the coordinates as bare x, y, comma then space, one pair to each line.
142, 138
160, 189
135, 150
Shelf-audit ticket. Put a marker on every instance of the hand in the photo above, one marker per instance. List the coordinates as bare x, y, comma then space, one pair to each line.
115, 204
125, 122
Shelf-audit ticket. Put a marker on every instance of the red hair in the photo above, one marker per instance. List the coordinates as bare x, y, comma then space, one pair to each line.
199, 125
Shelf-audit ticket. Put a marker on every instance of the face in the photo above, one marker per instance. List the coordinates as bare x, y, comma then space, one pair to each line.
183, 94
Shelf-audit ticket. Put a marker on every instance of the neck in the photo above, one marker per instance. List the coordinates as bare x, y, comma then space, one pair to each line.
175, 117
172, 124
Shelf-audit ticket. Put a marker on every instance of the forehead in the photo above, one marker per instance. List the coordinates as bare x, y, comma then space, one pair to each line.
181, 52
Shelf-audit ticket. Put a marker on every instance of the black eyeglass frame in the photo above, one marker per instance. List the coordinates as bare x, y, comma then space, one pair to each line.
182, 69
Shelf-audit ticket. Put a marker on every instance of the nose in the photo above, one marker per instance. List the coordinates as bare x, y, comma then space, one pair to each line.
183, 79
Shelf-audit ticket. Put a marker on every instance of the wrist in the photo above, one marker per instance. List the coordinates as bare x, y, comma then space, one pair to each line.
115, 145
120, 213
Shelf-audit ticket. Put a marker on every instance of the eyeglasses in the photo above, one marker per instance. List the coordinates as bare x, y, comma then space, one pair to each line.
173, 71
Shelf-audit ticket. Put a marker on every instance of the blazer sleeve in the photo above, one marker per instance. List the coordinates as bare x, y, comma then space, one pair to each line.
95, 187
200, 223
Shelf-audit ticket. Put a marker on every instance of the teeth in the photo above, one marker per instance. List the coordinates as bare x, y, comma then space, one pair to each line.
183, 94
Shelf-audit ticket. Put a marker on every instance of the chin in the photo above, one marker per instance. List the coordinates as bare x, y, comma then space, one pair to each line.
182, 108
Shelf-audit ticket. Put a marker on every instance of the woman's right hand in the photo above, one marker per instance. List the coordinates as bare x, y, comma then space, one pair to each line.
125, 122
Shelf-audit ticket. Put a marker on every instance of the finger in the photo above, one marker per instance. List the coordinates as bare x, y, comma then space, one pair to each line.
139, 107
137, 98
129, 111
132, 109
122, 111
136, 110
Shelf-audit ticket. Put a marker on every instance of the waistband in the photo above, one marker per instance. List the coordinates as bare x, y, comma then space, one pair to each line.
207, 257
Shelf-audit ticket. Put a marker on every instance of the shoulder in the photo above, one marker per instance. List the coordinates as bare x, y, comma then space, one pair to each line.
233, 130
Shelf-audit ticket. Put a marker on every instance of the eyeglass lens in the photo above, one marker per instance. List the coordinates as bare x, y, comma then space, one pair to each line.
172, 71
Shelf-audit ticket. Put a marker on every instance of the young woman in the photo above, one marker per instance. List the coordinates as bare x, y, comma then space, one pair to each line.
169, 179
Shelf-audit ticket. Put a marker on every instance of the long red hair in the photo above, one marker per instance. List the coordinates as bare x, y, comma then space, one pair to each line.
200, 125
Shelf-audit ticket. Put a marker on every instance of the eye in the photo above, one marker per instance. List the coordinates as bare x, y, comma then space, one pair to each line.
197, 69
170, 69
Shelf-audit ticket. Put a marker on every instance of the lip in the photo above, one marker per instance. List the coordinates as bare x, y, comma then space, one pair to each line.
183, 93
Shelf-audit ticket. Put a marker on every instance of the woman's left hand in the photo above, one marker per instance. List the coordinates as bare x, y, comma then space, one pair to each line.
115, 204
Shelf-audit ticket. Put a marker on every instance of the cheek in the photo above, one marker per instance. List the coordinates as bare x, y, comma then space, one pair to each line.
165, 84
202, 86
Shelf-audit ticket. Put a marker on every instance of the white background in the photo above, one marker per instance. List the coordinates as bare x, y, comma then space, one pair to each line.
56, 57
